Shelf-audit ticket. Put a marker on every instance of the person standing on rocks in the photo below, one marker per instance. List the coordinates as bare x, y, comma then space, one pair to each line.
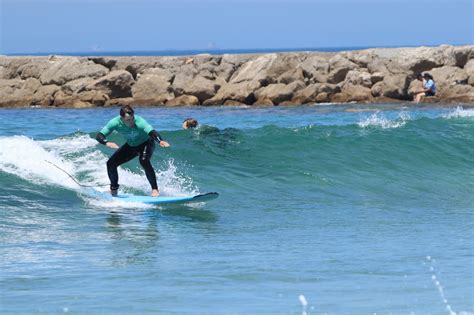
140, 141
429, 87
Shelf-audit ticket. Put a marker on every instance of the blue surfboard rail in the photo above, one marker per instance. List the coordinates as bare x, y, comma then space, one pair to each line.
165, 199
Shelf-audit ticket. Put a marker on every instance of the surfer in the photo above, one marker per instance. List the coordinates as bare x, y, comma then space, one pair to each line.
190, 123
140, 141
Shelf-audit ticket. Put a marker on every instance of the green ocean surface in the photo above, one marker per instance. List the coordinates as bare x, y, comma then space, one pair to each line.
337, 209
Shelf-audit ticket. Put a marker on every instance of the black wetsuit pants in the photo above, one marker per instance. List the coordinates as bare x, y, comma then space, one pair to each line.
125, 153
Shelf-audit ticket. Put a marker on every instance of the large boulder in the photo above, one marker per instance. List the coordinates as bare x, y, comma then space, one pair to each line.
225, 70
44, 96
315, 68
396, 86
242, 92
137, 65
9, 66
164, 74
77, 86
116, 84
279, 92
202, 88
447, 76
171, 63
3, 72
108, 62
263, 102
463, 55
353, 93
378, 66
183, 77
183, 100
360, 57
153, 84
208, 69
72, 68
96, 98
462, 93
413, 60
255, 70
310, 93
377, 89
469, 68
33, 69
198, 86
292, 75
18, 92
356, 77
339, 67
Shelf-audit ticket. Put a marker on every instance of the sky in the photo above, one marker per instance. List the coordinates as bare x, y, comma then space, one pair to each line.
49, 26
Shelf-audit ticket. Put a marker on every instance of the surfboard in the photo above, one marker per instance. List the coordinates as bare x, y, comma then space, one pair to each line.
164, 199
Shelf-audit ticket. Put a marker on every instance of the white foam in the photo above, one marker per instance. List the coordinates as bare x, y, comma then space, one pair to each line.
25, 158
304, 304
379, 120
460, 112
440, 288
80, 157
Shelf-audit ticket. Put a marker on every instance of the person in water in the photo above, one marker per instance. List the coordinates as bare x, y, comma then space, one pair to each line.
140, 141
190, 123
429, 87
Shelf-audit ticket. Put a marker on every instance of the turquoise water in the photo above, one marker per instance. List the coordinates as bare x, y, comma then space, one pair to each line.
322, 209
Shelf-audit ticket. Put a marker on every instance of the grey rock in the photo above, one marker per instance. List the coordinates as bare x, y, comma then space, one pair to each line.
183, 100
18, 92
44, 96
202, 88
254, 70
356, 77
69, 69
339, 67
279, 92
294, 74
153, 86
469, 68
242, 92
396, 86
116, 84
77, 86
447, 76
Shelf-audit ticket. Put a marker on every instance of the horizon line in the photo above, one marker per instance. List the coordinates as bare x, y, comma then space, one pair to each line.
218, 51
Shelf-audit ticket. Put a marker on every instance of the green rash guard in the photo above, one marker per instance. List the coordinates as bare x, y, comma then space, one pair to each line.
134, 136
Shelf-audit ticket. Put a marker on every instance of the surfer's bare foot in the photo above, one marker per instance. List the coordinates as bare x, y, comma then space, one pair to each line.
155, 193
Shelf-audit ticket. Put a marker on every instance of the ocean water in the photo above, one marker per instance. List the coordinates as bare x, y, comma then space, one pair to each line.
196, 51
347, 209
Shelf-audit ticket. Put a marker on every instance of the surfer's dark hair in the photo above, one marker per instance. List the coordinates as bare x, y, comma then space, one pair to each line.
126, 110
428, 76
190, 122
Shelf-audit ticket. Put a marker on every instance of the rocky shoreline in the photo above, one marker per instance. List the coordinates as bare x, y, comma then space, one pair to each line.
366, 76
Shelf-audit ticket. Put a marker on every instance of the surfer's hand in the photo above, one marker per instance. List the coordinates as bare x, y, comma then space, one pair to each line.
112, 145
164, 144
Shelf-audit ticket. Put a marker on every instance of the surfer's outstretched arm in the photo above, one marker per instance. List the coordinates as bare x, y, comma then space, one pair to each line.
156, 136
102, 140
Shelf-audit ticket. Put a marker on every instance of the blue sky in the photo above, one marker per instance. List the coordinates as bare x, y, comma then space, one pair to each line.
41, 26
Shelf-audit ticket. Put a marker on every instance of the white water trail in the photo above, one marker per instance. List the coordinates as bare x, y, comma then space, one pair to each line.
47, 162
460, 112
378, 119
440, 288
